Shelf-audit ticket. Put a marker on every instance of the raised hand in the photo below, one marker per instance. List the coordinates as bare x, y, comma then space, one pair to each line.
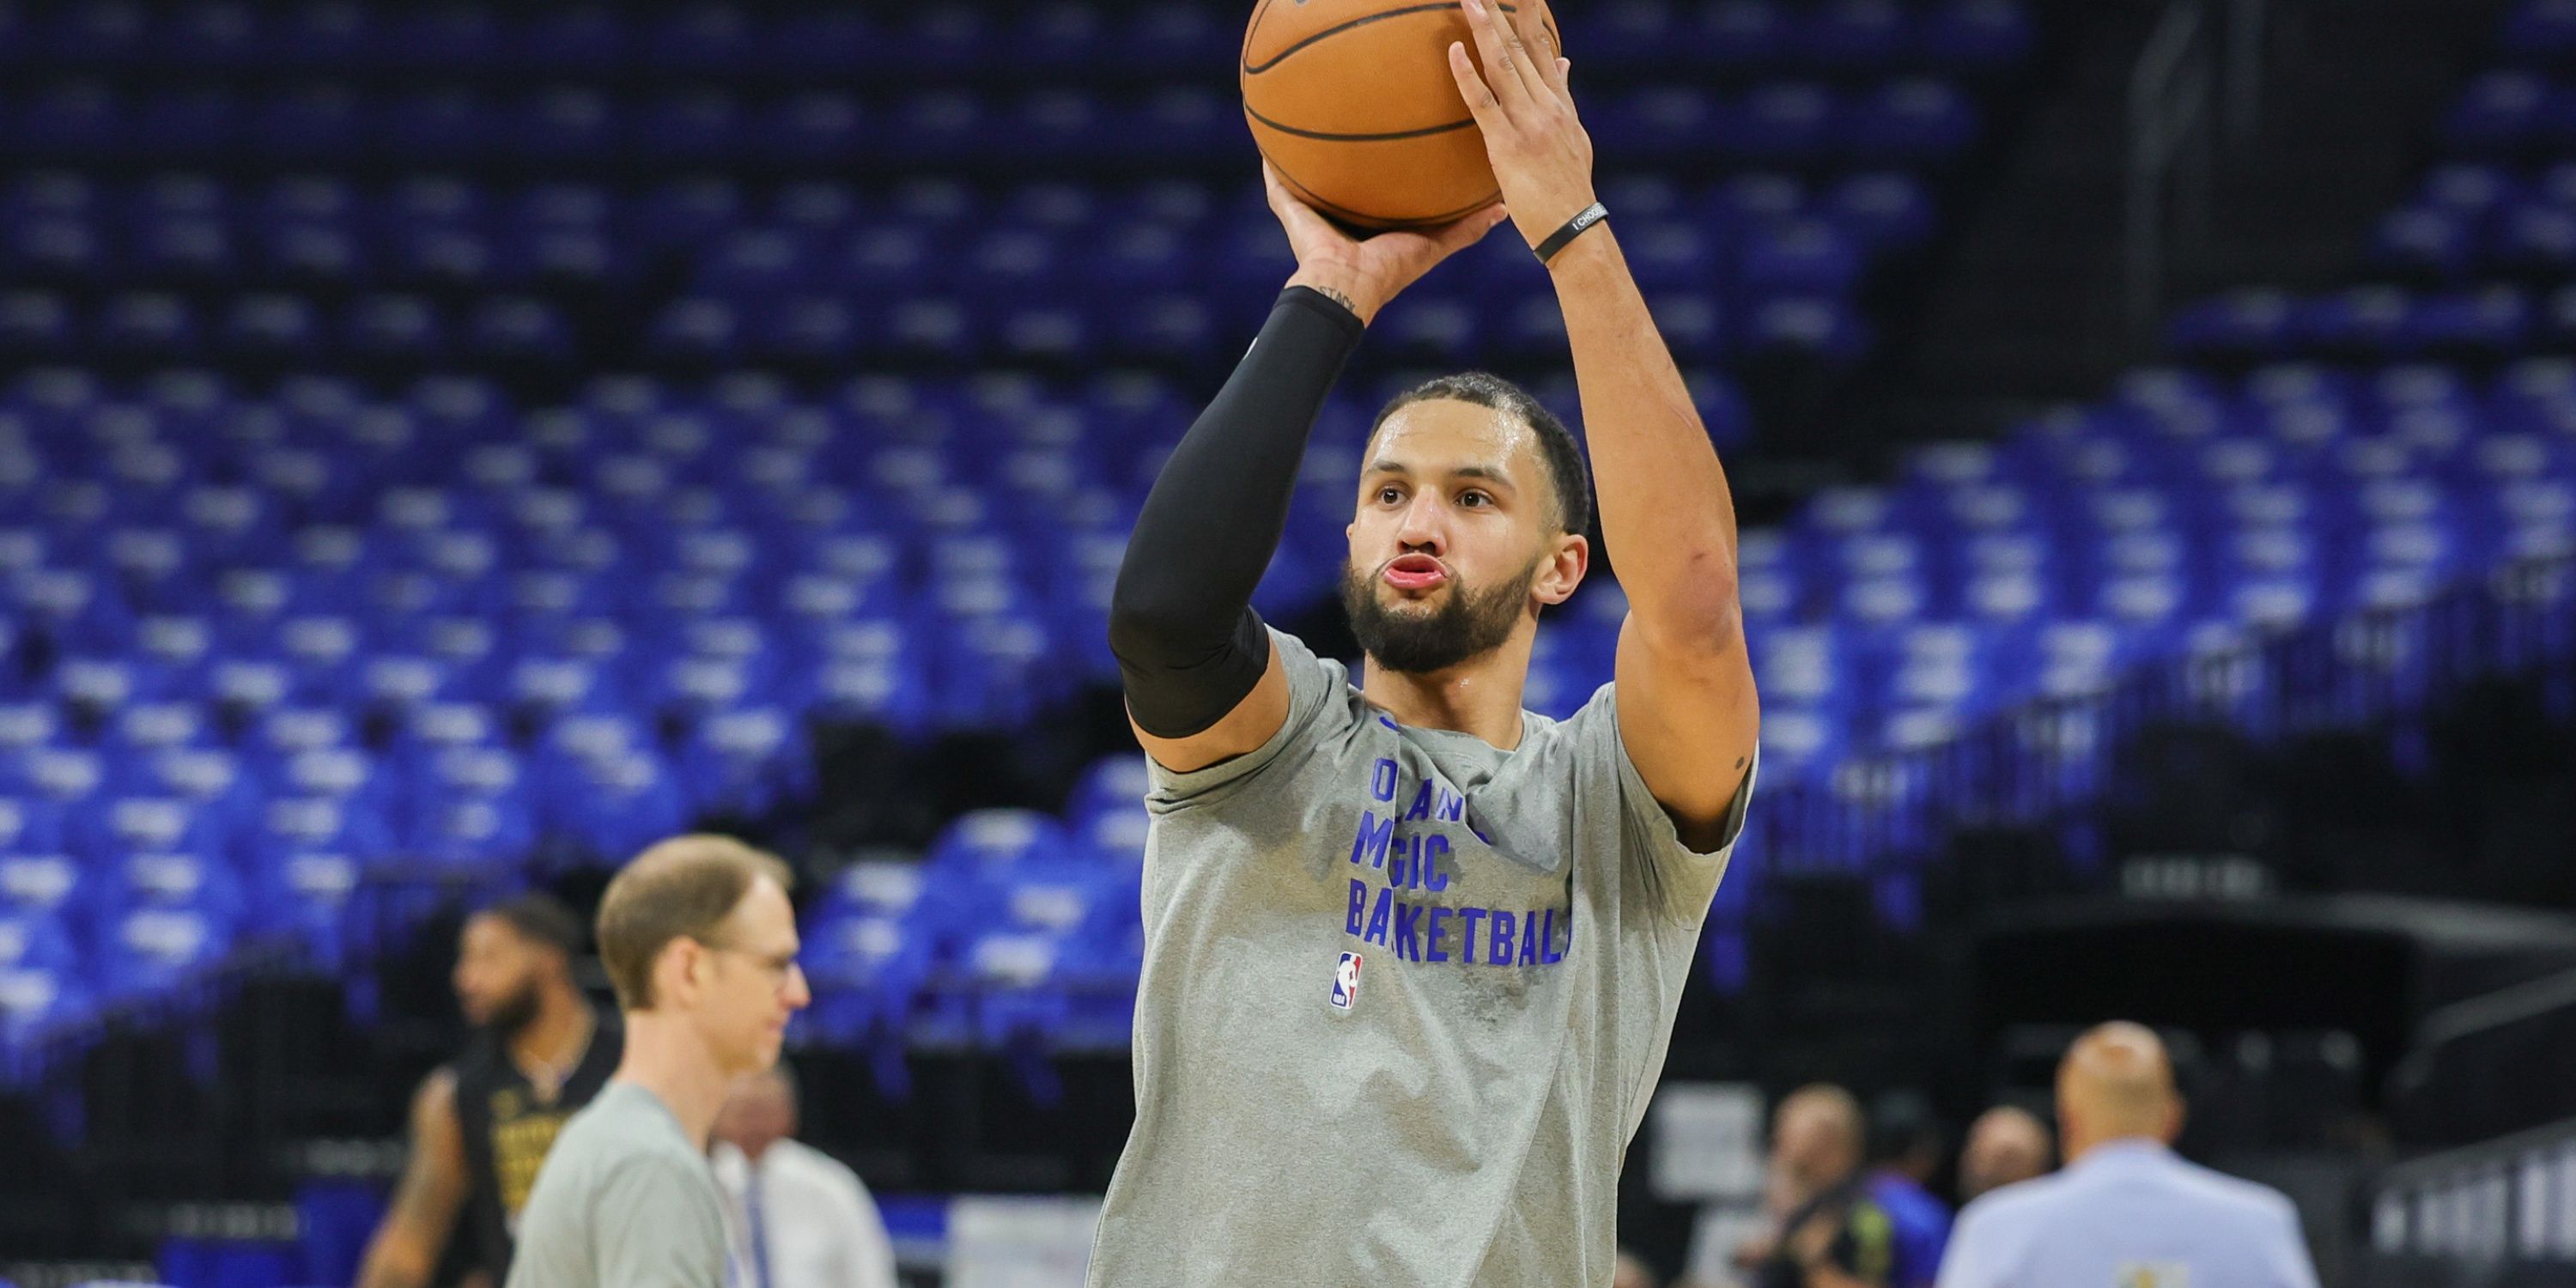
1541, 156
1365, 273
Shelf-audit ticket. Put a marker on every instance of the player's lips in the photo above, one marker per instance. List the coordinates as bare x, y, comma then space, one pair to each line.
1415, 572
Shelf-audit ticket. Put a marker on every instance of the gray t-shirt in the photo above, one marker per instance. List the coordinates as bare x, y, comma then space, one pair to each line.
623, 1201
1405, 997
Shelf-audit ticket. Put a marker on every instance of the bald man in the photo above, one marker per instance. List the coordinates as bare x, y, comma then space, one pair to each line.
1831, 1233
2006, 1145
2126, 1212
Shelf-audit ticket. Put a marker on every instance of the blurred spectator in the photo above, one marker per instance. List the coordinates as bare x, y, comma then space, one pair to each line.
1906, 1145
799, 1217
2006, 1144
2126, 1210
1830, 1233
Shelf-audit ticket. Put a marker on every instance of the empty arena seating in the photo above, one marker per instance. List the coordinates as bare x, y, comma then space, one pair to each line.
326, 542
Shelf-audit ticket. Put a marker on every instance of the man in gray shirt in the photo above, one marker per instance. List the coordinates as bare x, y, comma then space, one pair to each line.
700, 943
1413, 952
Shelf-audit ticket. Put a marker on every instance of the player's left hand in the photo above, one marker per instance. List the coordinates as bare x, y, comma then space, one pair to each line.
1541, 156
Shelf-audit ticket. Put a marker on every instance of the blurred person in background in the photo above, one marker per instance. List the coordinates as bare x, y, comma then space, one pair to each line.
1907, 1143
481, 1127
2006, 1145
700, 943
1830, 1233
2126, 1210
799, 1217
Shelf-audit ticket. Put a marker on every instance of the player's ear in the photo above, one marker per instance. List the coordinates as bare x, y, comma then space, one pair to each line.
1569, 558
678, 973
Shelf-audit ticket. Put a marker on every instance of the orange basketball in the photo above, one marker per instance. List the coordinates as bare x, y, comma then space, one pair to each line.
1352, 100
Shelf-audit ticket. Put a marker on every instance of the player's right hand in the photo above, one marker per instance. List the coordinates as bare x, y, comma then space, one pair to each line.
1365, 273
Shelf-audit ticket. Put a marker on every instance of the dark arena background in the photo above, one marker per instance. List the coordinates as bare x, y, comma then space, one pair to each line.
446, 447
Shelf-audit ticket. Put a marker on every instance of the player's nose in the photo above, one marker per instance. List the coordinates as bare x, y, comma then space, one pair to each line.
1421, 529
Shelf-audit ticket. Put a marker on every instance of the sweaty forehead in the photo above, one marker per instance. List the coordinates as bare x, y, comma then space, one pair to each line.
1442, 434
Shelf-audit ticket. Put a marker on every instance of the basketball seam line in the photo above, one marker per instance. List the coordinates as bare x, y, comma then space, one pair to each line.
1282, 55
1424, 132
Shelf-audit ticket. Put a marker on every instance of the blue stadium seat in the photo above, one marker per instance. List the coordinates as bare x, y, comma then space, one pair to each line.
1973, 37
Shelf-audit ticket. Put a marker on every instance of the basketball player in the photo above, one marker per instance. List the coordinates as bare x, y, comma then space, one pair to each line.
481, 1126
1413, 952
701, 944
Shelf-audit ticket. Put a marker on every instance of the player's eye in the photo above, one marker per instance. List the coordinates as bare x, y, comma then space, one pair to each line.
1473, 499
1389, 495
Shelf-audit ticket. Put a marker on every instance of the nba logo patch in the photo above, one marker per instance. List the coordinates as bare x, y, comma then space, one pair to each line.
1346, 982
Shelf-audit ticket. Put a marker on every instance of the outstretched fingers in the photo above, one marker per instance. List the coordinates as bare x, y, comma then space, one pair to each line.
1471, 87
1546, 60
1507, 60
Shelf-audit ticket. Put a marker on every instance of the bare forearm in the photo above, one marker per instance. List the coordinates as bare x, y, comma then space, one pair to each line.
1667, 516
422, 1214
388, 1266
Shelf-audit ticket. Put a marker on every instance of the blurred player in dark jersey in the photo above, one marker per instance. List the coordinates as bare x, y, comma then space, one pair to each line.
480, 1127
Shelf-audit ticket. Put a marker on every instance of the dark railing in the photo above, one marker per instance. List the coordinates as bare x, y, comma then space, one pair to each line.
2499, 1202
2195, 90
2049, 760
2465, 1074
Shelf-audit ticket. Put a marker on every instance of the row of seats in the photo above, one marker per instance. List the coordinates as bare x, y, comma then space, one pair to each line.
1045, 242
700, 332
2379, 323
415, 333
1062, 39
275, 330
126, 218
2471, 219
1908, 121
2512, 115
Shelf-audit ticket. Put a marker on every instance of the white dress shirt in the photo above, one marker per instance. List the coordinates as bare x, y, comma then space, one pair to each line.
815, 1225
2129, 1214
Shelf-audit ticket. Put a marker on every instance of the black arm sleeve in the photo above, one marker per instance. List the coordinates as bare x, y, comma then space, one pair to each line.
1181, 622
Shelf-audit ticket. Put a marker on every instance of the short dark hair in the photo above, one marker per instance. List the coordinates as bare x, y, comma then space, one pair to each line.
1564, 456
682, 888
539, 918
1903, 1122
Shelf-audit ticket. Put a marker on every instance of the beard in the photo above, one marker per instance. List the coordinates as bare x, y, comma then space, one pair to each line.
513, 1013
1470, 623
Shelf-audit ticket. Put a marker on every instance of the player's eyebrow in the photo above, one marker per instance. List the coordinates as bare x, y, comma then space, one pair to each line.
1488, 473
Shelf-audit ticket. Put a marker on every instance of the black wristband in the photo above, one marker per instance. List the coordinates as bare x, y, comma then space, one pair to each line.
1575, 227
